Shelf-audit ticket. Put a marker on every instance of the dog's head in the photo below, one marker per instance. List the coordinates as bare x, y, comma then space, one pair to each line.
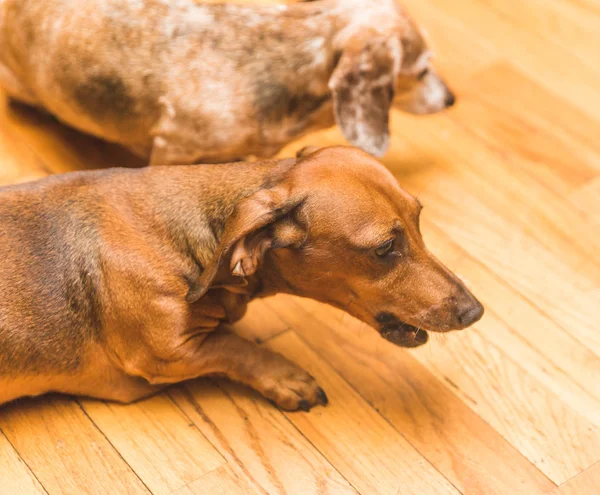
384, 63
338, 228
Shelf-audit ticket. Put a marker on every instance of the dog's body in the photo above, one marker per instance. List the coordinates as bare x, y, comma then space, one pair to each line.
179, 83
115, 283
94, 263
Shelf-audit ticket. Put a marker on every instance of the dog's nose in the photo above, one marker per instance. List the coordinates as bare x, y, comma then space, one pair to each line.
450, 99
471, 314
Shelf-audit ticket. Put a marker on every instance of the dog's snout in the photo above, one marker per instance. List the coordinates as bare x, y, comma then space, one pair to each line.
471, 313
450, 99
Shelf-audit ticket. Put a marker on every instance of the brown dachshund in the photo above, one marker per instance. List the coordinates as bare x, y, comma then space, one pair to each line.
115, 283
177, 82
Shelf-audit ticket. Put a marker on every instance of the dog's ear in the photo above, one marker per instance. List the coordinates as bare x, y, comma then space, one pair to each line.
362, 87
259, 222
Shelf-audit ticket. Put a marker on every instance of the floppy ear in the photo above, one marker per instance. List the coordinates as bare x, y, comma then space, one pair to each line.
362, 87
257, 224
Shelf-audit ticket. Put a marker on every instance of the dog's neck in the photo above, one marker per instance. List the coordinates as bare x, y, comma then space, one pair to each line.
297, 99
200, 200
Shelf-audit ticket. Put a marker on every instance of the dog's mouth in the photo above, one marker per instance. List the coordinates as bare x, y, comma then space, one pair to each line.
404, 335
396, 331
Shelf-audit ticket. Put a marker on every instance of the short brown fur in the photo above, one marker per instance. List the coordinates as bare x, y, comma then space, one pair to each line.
115, 283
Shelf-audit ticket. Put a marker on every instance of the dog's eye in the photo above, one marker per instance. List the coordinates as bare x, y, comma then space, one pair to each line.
423, 73
385, 249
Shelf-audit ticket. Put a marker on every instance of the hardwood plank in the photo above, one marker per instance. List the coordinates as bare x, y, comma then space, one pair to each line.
523, 119
560, 442
448, 39
587, 198
382, 461
528, 177
156, 440
18, 163
547, 61
541, 262
221, 481
257, 440
17, 478
494, 386
64, 449
511, 189
522, 149
575, 27
62, 148
563, 231
590, 6
260, 323
585, 483
547, 351
563, 293
455, 440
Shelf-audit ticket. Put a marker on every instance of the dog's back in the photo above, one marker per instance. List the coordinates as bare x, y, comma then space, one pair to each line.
102, 66
75, 60
43, 271
180, 82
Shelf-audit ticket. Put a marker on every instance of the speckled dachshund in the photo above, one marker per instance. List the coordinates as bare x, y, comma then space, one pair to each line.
179, 82
115, 283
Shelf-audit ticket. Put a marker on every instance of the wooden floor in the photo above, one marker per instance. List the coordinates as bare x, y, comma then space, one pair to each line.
510, 179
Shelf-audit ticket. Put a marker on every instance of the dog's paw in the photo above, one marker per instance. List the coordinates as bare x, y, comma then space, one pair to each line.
294, 390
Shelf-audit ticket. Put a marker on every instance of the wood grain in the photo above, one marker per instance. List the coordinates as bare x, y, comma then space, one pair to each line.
16, 476
510, 178
573, 79
587, 198
552, 436
256, 439
573, 26
558, 440
546, 350
221, 481
159, 443
61, 148
520, 152
535, 114
64, 449
381, 461
515, 253
18, 162
467, 451
584, 483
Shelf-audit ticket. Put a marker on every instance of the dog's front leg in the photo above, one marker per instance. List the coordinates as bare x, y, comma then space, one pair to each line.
271, 374
224, 353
